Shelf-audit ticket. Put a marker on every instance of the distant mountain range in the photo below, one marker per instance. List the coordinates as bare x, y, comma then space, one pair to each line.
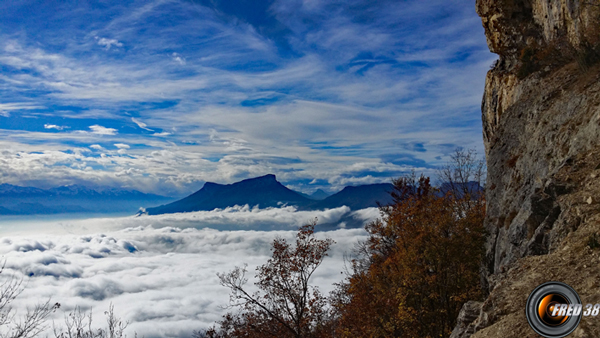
266, 191
16, 200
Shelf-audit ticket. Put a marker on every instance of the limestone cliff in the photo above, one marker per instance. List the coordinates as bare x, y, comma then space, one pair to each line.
541, 125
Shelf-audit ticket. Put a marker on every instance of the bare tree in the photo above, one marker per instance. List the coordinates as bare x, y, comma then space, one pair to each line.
463, 176
464, 167
32, 323
79, 325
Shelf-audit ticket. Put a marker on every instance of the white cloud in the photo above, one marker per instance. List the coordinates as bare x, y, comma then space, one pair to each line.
54, 126
123, 150
178, 58
100, 130
172, 169
140, 124
247, 217
18, 106
366, 215
162, 280
6, 108
107, 43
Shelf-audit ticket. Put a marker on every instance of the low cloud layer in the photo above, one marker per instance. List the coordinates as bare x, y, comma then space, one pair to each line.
232, 218
161, 278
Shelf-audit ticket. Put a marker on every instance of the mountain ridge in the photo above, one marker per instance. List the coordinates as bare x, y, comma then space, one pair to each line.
18, 200
248, 191
265, 191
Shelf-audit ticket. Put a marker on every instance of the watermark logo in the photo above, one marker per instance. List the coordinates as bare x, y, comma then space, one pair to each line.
554, 310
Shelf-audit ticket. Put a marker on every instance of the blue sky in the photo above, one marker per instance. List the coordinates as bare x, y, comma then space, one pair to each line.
162, 96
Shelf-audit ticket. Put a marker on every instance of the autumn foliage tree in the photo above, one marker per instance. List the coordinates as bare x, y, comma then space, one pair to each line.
286, 304
410, 278
418, 266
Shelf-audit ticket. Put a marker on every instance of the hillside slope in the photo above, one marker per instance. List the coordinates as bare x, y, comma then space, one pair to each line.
541, 132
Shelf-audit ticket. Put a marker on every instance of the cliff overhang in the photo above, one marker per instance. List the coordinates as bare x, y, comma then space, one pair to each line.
541, 130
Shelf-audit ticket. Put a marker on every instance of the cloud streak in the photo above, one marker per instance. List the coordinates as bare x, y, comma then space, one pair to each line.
140, 124
328, 87
100, 130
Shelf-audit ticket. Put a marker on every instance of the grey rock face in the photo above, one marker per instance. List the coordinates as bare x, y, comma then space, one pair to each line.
465, 325
536, 127
541, 126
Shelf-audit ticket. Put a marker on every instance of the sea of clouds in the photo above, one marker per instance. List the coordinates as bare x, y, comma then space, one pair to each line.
160, 272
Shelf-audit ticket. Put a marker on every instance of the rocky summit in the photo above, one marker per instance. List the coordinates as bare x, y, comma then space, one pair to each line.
541, 129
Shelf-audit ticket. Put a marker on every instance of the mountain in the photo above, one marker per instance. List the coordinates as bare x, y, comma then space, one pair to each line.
266, 191
319, 195
16, 200
74, 190
16, 191
359, 197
